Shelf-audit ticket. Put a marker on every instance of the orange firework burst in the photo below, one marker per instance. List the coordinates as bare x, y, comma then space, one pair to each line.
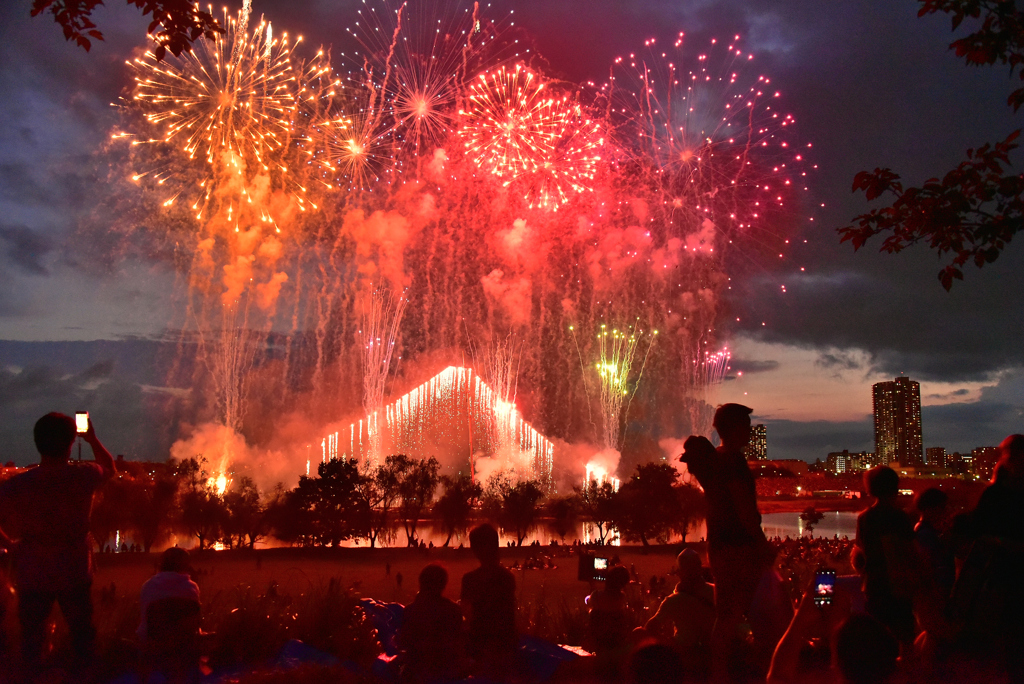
517, 130
360, 147
230, 106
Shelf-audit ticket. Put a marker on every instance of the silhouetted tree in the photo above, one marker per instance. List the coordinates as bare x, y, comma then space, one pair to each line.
247, 521
417, 482
203, 515
515, 507
648, 504
562, 511
455, 505
175, 26
325, 509
378, 493
811, 517
692, 509
597, 503
153, 501
974, 210
192, 472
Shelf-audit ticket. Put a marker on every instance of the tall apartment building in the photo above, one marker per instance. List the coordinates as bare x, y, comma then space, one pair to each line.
757, 449
935, 457
984, 461
897, 409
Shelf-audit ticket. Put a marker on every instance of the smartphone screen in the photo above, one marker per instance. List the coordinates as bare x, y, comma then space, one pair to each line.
824, 587
82, 421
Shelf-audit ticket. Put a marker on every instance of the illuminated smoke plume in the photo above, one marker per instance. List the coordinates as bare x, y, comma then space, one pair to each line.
437, 159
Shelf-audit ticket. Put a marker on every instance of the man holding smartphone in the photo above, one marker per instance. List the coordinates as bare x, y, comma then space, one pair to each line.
47, 510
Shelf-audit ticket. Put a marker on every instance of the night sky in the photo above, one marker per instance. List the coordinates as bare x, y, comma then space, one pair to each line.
869, 83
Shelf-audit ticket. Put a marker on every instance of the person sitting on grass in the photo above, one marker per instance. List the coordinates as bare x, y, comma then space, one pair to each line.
431, 636
172, 583
170, 609
48, 511
689, 612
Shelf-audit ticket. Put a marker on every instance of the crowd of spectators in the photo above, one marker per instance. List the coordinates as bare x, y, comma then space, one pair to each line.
922, 595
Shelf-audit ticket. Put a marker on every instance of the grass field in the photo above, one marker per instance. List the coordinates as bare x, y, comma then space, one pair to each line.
296, 571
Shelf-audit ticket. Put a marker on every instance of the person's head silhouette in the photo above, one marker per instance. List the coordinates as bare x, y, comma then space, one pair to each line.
688, 566
1011, 459
433, 580
932, 504
618, 579
54, 435
176, 559
483, 541
732, 423
882, 482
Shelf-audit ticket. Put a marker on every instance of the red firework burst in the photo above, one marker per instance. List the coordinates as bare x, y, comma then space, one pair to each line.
516, 129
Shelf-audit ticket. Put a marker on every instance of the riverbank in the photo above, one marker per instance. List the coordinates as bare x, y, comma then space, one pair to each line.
799, 504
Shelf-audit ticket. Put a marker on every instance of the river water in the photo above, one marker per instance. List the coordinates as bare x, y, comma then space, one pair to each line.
841, 523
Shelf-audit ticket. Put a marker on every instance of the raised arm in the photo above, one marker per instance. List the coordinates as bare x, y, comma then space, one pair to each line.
698, 453
99, 452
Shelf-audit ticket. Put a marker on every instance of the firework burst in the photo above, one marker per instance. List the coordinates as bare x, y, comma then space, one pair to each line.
709, 143
510, 123
416, 59
515, 128
226, 112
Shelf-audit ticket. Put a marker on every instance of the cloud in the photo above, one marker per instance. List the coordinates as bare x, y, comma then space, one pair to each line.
841, 360
751, 366
26, 249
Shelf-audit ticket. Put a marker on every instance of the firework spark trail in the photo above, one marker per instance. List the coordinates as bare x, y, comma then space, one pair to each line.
617, 352
706, 372
504, 359
709, 142
509, 128
379, 337
425, 54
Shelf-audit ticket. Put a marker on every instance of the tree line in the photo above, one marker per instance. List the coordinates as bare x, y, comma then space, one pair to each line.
382, 505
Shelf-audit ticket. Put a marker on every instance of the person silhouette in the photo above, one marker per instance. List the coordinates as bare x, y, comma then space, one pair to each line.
431, 635
885, 539
738, 552
48, 510
689, 612
997, 524
609, 617
170, 612
488, 600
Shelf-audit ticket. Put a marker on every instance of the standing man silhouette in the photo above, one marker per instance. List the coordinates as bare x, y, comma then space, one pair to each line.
488, 601
48, 510
738, 552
